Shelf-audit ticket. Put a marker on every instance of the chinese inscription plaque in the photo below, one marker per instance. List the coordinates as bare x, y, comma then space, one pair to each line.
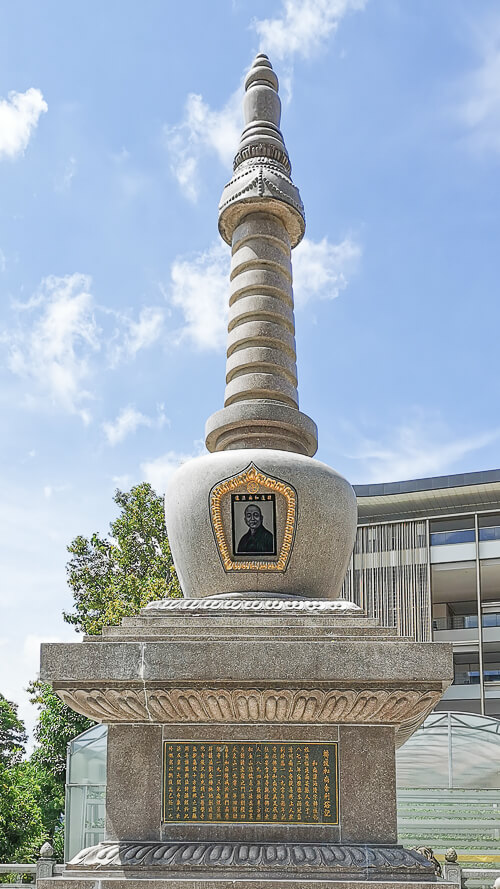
247, 781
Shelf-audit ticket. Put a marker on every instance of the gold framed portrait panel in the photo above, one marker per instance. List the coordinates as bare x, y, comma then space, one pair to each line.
253, 518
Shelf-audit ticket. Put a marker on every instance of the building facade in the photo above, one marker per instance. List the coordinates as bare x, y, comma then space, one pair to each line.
427, 561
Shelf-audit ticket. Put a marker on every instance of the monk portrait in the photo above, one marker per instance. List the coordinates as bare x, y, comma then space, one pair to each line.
257, 539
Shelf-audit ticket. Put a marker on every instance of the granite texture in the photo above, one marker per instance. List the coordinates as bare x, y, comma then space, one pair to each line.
325, 526
261, 289
251, 661
367, 790
134, 782
259, 423
367, 781
95, 879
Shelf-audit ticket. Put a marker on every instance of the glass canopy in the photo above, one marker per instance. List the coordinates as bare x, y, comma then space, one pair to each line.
85, 790
449, 788
453, 750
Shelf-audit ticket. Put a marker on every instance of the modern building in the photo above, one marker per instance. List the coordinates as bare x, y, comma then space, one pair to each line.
427, 561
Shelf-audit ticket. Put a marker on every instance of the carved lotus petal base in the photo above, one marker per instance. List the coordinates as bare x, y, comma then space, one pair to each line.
405, 709
336, 860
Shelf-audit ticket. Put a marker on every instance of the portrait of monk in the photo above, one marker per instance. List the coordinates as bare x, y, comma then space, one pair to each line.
257, 539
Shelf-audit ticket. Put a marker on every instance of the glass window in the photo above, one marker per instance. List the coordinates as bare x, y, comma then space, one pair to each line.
448, 779
466, 669
441, 538
463, 523
492, 675
457, 622
491, 620
490, 533
488, 521
470, 621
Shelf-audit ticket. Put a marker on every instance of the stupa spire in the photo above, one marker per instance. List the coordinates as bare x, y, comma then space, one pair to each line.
262, 217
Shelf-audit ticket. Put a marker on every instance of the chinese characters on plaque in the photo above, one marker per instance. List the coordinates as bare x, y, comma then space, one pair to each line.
250, 781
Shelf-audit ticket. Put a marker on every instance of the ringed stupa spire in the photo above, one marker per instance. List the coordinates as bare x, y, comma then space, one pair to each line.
262, 217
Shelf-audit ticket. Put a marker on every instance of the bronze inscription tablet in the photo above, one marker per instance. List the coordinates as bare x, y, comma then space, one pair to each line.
249, 781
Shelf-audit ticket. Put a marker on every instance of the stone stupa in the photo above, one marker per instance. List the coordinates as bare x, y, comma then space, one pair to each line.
253, 724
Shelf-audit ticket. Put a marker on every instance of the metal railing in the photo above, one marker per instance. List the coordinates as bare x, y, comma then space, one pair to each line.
465, 621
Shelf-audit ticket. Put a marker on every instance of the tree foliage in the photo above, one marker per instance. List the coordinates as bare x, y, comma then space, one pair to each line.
22, 827
57, 725
31, 798
12, 734
115, 576
110, 577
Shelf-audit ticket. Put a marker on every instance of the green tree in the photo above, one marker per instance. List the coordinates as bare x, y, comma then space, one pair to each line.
115, 576
26, 793
57, 725
110, 577
22, 827
12, 734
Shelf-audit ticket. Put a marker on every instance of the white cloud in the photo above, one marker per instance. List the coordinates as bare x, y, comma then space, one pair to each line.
418, 448
63, 184
136, 335
321, 269
55, 340
301, 30
123, 481
202, 129
49, 490
128, 421
479, 106
157, 472
3, 261
200, 285
200, 289
146, 330
19, 115
303, 26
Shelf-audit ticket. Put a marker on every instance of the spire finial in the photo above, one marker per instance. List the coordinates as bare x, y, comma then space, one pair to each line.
262, 217
261, 72
261, 136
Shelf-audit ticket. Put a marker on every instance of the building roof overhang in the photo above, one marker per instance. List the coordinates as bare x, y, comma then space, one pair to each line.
422, 498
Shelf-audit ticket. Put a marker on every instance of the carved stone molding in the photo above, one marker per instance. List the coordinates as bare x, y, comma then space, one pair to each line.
404, 709
264, 605
263, 150
261, 177
107, 704
234, 856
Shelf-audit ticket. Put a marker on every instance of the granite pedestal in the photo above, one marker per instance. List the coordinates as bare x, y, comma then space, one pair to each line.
245, 675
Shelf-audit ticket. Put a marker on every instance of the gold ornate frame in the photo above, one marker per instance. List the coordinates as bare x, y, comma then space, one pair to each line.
254, 479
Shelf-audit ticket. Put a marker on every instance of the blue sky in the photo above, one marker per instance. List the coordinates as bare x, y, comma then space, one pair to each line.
118, 122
